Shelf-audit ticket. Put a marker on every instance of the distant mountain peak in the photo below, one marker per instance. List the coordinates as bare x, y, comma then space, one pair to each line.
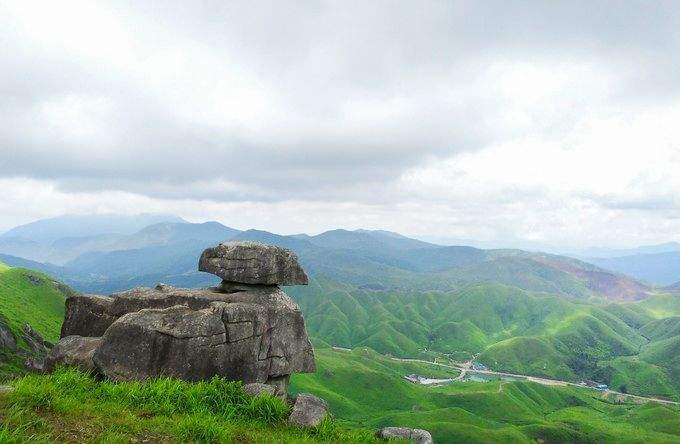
51, 229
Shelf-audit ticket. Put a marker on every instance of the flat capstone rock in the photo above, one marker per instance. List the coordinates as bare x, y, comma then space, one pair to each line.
253, 263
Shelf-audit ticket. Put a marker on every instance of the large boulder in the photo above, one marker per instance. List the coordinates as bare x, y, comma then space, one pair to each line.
87, 315
76, 351
255, 335
253, 263
308, 411
416, 436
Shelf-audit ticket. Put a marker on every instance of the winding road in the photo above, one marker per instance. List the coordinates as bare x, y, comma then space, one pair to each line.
465, 367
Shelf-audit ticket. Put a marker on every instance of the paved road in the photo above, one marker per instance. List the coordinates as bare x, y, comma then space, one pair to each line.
464, 368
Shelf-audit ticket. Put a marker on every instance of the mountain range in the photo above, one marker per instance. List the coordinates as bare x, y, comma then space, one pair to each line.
167, 251
657, 268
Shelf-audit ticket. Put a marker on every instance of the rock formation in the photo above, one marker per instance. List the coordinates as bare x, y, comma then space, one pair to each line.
253, 263
32, 351
76, 351
308, 411
416, 436
246, 329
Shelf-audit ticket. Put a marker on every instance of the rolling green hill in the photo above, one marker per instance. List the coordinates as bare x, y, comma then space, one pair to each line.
630, 346
368, 389
28, 297
510, 329
32, 297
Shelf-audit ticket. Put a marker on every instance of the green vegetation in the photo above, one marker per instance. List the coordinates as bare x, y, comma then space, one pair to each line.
32, 297
564, 332
28, 297
513, 330
72, 406
367, 389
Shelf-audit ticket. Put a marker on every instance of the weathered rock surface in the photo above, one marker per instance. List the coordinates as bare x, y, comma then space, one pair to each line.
87, 315
255, 334
32, 352
257, 388
308, 411
35, 342
416, 436
74, 351
7, 339
253, 263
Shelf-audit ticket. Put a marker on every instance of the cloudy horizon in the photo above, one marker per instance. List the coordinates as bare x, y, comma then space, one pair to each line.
522, 122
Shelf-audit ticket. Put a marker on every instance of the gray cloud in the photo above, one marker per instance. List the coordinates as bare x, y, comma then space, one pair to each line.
499, 119
325, 70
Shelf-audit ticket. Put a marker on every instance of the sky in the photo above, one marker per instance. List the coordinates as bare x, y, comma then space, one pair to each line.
511, 122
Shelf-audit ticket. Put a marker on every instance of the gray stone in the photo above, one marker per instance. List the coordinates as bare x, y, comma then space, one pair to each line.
34, 364
33, 340
257, 388
7, 339
87, 315
176, 342
416, 436
280, 385
253, 336
308, 411
253, 263
76, 351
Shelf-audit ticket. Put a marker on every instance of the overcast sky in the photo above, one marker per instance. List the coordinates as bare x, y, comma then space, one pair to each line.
506, 121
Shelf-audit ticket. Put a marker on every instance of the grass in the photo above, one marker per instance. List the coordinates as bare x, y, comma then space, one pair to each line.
32, 297
367, 389
514, 330
70, 406
527, 356
28, 297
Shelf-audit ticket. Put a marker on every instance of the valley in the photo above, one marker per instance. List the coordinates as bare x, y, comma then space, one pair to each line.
368, 389
380, 306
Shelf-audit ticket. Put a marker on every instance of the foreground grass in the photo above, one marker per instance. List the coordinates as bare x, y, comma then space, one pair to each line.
70, 406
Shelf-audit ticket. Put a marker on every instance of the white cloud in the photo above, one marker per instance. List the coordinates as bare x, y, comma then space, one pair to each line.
552, 122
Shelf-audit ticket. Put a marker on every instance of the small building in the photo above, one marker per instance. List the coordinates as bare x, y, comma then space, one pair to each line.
479, 366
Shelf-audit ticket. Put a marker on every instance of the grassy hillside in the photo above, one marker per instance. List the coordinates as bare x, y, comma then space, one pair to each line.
512, 330
32, 297
71, 406
28, 297
368, 389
